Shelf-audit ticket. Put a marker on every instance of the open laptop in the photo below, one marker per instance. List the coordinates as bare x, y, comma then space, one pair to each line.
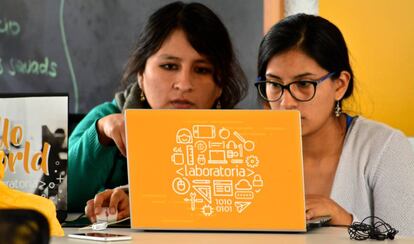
231, 170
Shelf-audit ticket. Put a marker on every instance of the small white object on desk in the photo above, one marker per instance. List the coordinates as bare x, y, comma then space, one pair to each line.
106, 216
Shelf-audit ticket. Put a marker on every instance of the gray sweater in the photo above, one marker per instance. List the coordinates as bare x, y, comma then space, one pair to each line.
375, 175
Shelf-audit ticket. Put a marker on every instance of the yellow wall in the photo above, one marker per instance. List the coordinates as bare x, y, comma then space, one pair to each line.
380, 38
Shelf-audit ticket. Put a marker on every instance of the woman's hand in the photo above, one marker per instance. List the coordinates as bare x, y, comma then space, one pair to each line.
115, 199
318, 206
111, 128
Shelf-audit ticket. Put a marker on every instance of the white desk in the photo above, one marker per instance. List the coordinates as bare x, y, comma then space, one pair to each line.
321, 235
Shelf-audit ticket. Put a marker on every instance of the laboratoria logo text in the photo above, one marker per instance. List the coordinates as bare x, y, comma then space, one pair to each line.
216, 169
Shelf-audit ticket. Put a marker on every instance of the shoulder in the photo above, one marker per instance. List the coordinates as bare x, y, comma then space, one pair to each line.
377, 146
361, 123
372, 133
105, 108
102, 110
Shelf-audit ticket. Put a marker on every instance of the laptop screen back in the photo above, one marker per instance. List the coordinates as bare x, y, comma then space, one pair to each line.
215, 170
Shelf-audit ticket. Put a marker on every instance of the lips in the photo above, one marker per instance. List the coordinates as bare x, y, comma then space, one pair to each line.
182, 104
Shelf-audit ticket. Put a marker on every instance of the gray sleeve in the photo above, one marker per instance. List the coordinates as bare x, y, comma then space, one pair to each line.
393, 184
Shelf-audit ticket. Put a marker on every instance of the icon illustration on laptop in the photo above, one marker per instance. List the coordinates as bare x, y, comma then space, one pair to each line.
215, 169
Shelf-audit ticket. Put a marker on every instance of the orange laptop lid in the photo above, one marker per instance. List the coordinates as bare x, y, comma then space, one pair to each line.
215, 170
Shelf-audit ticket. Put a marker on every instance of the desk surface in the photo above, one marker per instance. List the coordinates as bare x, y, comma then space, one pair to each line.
321, 235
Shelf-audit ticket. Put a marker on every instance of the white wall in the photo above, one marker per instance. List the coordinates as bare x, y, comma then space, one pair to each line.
301, 6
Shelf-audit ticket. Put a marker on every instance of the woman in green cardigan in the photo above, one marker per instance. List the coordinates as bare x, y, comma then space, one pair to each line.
183, 59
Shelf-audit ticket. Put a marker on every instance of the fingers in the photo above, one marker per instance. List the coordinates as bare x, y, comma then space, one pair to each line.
103, 127
90, 211
100, 199
120, 143
119, 138
317, 206
112, 128
123, 208
118, 133
123, 138
316, 212
123, 214
116, 197
119, 201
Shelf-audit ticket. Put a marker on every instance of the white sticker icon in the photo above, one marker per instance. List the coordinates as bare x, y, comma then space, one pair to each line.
181, 185
219, 166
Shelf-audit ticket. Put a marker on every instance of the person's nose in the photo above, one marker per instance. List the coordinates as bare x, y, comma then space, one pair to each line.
287, 101
184, 81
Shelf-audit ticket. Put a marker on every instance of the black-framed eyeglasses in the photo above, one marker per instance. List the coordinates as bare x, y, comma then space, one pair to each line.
302, 91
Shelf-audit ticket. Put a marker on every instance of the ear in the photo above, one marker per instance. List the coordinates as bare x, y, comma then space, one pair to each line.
140, 79
219, 92
341, 84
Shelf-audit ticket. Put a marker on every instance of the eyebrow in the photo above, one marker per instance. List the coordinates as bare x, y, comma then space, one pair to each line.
295, 77
172, 57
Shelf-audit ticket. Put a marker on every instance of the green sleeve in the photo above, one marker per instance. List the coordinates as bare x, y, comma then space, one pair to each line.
91, 165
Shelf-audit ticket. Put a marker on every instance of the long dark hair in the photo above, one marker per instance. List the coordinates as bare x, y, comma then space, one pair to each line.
206, 34
317, 37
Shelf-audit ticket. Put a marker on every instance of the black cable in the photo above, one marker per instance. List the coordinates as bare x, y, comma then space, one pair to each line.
371, 227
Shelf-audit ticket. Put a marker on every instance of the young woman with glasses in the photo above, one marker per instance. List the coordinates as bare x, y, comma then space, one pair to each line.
354, 167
